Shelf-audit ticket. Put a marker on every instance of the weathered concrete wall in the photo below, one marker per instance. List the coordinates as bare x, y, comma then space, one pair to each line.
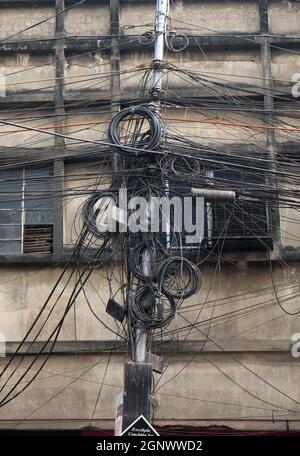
16, 136
285, 65
87, 20
249, 291
243, 67
290, 228
188, 398
87, 71
28, 72
227, 126
17, 23
202, 18
213, 388
284, 16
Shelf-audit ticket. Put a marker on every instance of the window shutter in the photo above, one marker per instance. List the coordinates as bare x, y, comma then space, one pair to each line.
38, 239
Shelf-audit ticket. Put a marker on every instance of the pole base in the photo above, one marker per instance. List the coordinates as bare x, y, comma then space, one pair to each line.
137, 392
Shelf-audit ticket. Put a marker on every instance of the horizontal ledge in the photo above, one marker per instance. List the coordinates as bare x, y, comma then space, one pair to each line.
30, 3
14, 3
179, 347
27, 155
254, 258
66, 347
131, 42
55, 260
72, 2
41, 45
290, 254
183, 95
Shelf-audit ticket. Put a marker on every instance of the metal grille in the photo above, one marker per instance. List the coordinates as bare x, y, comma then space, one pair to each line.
244, 219
248, 217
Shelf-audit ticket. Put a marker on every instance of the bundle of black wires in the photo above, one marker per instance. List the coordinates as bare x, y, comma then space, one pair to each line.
93, 209
128, 134
150, 309
179, 278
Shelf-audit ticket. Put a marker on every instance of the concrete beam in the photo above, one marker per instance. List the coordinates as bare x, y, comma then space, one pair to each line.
252, 258
177, 347
13, 3
41, 3
26, 156
102, 43
186, 94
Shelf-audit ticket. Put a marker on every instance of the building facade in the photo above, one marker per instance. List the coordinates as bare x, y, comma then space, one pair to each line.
67, 68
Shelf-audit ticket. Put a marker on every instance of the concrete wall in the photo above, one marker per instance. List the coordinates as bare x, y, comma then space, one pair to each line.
24, 291
17, 23
199, 18
215, 385
201, 393
284, 16
88, 20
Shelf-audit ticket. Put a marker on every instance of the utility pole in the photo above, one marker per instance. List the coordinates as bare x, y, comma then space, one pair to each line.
138, 374
162, 9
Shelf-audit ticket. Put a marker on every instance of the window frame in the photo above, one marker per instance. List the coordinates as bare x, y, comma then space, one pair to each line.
29, 257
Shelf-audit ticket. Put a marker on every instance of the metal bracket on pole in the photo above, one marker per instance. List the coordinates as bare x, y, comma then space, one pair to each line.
214, 195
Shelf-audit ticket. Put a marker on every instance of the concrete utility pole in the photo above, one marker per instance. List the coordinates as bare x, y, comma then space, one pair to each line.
141, 336
162, 8
138, 374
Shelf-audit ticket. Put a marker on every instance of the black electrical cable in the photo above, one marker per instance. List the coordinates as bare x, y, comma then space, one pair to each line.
179, 278
130, 142
150, 309
137, 258
94, 208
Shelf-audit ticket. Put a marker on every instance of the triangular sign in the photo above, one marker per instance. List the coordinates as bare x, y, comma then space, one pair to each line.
140, 428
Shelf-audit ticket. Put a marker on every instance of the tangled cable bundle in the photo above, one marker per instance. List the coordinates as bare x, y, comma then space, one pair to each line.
149, 308
181, 168
137, 259
94, 211
147, 38
177, 42
135, 131
179, 278
161, 160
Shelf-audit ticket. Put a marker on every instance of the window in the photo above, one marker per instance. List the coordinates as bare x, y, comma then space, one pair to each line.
245, 224
241, 225
26, 211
